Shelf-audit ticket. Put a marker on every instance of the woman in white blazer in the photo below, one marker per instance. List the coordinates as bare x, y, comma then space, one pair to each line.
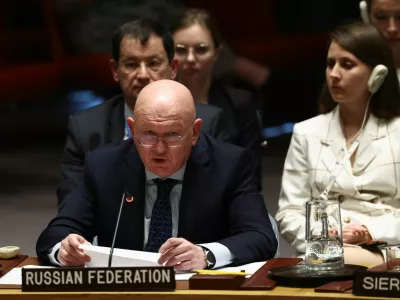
368, 186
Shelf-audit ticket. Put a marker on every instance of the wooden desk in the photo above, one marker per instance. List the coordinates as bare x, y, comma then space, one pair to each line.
280, 293
8, 264
182, 293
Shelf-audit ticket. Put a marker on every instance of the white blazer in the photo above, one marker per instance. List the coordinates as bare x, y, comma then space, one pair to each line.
369, 192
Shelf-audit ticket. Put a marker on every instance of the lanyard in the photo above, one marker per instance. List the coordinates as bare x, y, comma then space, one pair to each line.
339, 167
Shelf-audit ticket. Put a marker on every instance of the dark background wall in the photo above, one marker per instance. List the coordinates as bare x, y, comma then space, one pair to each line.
43, 58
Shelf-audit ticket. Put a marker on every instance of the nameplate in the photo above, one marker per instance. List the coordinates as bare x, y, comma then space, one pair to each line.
69, 279
379, 284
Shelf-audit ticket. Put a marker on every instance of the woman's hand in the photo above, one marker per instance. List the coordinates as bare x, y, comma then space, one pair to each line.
355, 234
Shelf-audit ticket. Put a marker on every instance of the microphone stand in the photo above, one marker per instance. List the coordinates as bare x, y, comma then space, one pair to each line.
116, 229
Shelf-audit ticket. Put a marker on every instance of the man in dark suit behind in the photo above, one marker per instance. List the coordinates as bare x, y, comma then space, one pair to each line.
142, 53
211, 215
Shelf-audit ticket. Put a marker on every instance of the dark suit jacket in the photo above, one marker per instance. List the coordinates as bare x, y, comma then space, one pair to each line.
105, 124
219, 202
239, 106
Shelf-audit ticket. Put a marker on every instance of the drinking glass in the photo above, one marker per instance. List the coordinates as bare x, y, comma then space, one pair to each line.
393, 258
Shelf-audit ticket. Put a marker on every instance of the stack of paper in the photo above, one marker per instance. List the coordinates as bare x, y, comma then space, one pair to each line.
130, 258
121, 257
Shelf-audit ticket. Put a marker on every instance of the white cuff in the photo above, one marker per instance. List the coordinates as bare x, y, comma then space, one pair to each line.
52, 257
223, 256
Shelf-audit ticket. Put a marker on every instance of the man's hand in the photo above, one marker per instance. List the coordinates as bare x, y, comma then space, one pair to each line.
69, 254
181, 254
354, 234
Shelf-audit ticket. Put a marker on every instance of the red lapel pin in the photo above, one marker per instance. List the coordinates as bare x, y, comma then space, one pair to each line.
129, 198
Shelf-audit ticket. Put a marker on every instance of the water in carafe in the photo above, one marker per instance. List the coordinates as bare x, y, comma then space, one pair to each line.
324, 243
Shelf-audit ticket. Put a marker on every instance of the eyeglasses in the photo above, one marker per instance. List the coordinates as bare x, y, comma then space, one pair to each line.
170, 140
199, 49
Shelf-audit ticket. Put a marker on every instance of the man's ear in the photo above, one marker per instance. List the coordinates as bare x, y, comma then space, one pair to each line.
196, 130
113, 66
131, 126
174, 68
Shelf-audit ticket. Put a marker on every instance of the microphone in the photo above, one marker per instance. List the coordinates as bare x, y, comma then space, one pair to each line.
125, 194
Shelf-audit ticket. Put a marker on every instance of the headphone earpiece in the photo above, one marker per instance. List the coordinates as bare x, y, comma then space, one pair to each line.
377, 78
364, 12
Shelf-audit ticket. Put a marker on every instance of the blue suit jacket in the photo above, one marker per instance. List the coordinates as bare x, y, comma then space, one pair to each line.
219, 202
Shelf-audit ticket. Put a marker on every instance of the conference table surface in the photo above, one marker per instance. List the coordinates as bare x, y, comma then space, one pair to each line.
182, 293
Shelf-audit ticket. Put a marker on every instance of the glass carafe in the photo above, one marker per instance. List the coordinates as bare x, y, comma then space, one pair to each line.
324, 242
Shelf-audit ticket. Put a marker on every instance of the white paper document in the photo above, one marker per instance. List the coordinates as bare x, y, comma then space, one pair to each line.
130, 258
121, 257
14, 278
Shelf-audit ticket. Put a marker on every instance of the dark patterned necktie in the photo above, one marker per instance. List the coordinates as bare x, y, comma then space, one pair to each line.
161, 216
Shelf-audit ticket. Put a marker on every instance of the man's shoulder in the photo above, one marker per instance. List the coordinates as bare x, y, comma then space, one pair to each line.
236, 101
112, 151
207, 110
217, 149
108, 158
99, 110
224, 163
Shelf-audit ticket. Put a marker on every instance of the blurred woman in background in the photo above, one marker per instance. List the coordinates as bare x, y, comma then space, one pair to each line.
197, 47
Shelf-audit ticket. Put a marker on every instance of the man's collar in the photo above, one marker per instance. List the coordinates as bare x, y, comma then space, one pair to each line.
128, 113
177, 175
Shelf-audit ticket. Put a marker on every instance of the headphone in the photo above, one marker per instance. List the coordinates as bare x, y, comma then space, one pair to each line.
364, 12
377, 78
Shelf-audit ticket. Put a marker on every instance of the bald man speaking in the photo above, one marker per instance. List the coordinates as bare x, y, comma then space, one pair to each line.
194, 198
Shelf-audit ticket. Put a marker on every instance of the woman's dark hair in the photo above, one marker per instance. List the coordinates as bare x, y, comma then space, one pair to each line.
368, 44
194, 16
